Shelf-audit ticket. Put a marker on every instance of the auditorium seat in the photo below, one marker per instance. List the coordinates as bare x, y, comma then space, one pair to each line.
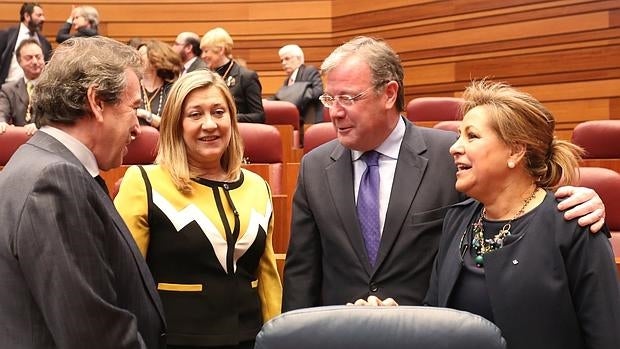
606, 183
285, 117
263, 153
599, 138
318, 134
141, 151
365, 327
10, 140
427, 111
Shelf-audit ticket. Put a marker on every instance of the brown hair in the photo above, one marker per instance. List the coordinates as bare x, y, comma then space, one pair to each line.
164, 59
520, 119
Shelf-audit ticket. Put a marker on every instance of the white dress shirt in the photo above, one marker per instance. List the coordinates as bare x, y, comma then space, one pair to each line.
388, 158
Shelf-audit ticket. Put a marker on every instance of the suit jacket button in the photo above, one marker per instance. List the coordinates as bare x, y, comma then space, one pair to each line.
374, 287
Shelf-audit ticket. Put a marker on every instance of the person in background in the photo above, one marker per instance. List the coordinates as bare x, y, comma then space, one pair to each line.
72, 276
84, 20
292, 59
204, 224
15, 97
187, 45
162, 67
507, 254
243, 83
31, 19
135, 42
368, 209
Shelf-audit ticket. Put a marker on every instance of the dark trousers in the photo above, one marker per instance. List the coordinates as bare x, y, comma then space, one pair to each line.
242, 345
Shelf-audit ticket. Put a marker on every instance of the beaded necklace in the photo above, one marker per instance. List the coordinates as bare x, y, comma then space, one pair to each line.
147, 100
481, 245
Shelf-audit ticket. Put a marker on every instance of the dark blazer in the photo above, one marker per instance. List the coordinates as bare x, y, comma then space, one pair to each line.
326, 262
14, 103
72, 275
312, 113
561, 293
64, 32
247, 90
8, 39
197, 64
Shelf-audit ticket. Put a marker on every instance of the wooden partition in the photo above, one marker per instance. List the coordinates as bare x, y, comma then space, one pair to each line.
564, 52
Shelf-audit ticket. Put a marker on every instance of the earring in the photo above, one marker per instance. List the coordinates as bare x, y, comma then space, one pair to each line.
511, 164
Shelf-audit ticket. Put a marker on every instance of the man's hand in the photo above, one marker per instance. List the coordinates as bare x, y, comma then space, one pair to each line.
375, 302
3, 127
30, 129
584, 203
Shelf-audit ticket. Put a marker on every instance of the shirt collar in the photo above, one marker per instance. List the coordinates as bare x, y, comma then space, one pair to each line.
189, 63
391, 146
81, 152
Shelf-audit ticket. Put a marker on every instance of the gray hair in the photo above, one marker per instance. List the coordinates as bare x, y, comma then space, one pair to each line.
91, 14
60, 95
292, 50
384, 63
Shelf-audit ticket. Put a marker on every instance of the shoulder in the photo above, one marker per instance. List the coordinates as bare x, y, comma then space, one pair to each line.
253, 179
11, 86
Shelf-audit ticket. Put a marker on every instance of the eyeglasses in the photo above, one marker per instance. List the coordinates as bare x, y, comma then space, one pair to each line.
345, 100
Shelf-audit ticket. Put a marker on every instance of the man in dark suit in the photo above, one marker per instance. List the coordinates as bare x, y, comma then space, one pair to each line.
292, 59
187, 45
72, 276
32, 18
369, 206
15, 107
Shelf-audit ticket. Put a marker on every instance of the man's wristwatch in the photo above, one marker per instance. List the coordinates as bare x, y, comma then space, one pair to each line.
149, 118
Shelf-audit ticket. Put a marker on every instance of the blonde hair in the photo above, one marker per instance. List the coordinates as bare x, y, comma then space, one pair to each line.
90, 14
172, 154
217, 37
520, 119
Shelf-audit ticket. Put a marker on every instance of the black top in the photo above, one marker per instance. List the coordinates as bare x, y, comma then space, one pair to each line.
470, 291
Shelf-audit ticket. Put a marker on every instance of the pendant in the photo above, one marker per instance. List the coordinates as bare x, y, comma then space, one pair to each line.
479, 260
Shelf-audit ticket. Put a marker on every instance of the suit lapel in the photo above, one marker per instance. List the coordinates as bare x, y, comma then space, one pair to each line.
146, 275
410, 168
21, 92
340, 180
43, 140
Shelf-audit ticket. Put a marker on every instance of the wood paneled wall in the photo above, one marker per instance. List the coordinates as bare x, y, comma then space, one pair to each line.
564, 52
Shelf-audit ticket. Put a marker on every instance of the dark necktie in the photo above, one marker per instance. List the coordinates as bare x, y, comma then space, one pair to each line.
368, 205
102, 184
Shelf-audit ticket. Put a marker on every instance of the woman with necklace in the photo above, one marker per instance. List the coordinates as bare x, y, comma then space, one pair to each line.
203, 223
508, 254
243, 83
162, 66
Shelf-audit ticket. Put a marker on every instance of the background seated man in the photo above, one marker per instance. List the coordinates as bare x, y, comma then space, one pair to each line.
15, 96
292, 59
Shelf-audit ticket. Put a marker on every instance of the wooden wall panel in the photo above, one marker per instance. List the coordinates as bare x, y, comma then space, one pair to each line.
565, 52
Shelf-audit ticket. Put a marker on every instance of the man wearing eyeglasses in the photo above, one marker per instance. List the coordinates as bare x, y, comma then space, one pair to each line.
369, 206
187, 45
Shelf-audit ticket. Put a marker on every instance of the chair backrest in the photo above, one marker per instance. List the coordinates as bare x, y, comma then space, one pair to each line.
606, 183
364, 327
318, 134
599, 138
263, 153
448, 125
434, 109
281, 113
143, 149
10, 140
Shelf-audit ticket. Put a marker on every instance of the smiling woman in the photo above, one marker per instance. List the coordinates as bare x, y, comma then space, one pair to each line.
204, 224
